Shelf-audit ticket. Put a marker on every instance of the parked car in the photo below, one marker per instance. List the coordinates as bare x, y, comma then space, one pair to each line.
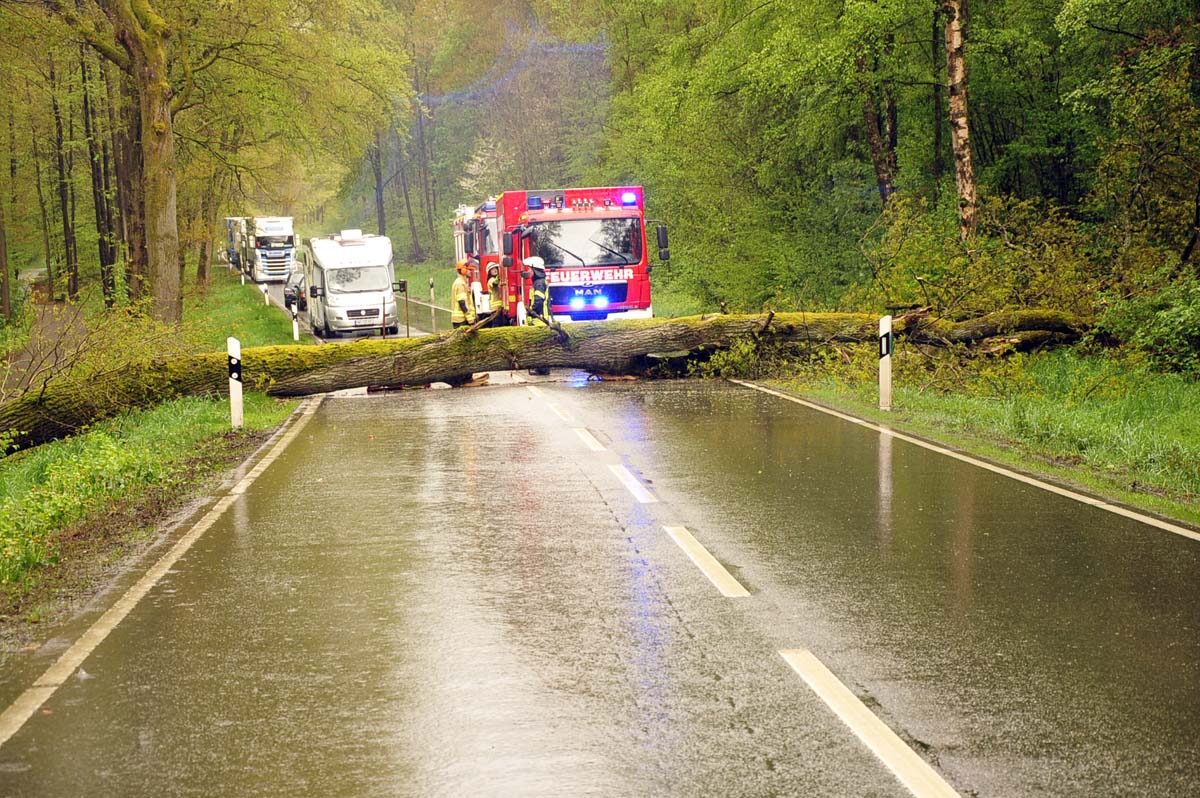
293, 290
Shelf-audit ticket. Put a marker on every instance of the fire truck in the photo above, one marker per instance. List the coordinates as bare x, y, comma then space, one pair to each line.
592, 240
476, 235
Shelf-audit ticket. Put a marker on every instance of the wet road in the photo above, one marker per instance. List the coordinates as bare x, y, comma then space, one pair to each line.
472, 592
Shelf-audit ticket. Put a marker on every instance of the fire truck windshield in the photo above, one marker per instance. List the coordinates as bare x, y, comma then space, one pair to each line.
588, 242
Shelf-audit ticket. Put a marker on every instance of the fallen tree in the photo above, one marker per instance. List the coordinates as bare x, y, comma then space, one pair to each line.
63, 407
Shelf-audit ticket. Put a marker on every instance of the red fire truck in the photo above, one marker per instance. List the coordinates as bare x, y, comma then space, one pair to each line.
592, 240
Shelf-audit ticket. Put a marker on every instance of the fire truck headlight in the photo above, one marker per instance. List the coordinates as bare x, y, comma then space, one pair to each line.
577, 303
601, 301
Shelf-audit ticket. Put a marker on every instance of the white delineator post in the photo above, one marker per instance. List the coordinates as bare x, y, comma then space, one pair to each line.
885, 363
295, 323
235, 382
266, 295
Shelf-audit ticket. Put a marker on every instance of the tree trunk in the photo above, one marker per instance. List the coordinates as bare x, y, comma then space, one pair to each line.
939, 114
63, 407
416, 254
375, 156
960, 129
129, 169
99, 200
6, 308
158, 177
880, 158
70, 256
41, 195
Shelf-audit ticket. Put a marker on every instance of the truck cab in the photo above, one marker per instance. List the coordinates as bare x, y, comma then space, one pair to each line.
269, 248
593, 242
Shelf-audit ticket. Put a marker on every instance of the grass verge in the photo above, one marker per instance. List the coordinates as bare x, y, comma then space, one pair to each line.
71, 511
1106, 424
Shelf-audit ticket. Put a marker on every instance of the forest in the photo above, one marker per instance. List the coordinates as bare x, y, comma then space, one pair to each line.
858, 155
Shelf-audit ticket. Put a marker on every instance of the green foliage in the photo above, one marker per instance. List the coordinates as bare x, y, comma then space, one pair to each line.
1162, 324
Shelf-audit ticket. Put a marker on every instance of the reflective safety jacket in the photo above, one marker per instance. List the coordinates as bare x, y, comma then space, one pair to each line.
460, 296
495, 294
539, 303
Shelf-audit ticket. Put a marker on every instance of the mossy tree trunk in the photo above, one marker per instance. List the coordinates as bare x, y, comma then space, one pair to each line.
61, 408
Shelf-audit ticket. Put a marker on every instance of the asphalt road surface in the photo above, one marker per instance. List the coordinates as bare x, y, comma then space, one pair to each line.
673, 588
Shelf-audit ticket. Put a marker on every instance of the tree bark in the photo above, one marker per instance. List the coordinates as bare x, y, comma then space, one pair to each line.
6, 308
938, 164
375, 157
158, 176
61, 408
70, 255
99, 200
41, 195
960, 129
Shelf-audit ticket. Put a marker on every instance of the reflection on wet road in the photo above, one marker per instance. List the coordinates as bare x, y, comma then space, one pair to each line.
495, 591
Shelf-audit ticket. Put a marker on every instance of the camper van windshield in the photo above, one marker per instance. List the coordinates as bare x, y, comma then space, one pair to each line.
348, 280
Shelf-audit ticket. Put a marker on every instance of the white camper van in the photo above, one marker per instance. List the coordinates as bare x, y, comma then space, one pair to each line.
349, 277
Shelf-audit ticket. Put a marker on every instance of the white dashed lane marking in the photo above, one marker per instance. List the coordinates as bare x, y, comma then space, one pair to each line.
707, 563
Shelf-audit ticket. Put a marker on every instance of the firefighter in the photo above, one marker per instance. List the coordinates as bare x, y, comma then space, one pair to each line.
496, 297
539, 301
462, 301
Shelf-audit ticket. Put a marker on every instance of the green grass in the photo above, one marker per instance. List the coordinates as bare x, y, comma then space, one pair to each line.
229, 308
56, 485
418, 277
1108, 424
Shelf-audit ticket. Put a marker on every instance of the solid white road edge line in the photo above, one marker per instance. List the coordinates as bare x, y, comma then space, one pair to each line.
1037, 483
21, 710
913, 772
563, 414
708, 565
589, 440
631, 482
536, 391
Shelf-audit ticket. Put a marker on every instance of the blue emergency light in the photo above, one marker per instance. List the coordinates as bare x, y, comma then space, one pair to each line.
629, 198
577, 303
601, 301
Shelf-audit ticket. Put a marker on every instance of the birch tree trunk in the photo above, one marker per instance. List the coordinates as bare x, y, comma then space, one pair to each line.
955, 12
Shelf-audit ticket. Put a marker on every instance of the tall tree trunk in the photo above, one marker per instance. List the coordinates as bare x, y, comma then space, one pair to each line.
960, 129
6, 308
130, 188
12, 151
70, 257
158, 176
937, 42
417, 255
882, 158
423, 157
99, 200
375, 156
41, 195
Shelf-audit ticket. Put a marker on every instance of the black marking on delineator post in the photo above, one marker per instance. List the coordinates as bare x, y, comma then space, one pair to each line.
885, 344
235, 368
